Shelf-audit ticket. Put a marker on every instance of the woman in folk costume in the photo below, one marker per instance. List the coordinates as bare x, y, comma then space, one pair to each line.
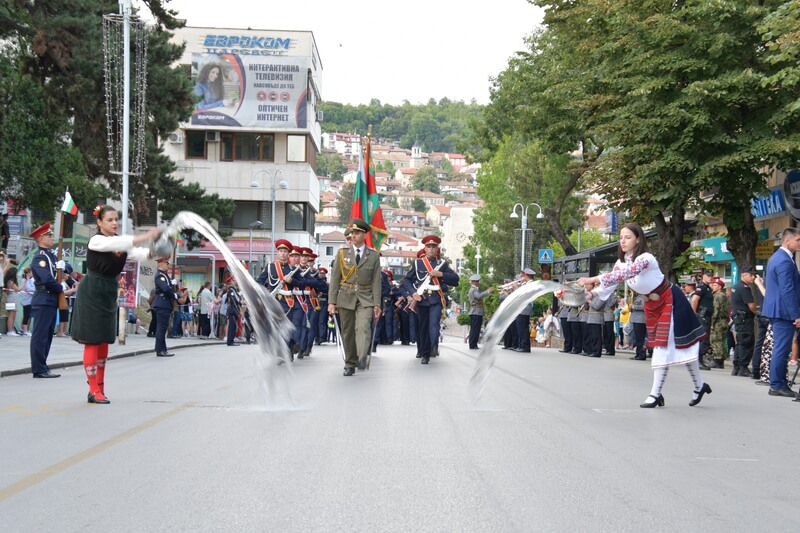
673, 329
95, 314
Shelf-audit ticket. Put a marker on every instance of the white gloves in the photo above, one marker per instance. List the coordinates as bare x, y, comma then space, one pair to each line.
61, 265
174, 282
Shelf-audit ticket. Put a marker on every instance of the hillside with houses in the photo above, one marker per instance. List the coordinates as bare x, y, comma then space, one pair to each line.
409, 213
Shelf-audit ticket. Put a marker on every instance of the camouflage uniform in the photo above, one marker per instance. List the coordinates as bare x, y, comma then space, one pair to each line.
719, 327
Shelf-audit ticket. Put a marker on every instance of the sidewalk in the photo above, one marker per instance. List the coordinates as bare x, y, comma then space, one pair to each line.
15, 351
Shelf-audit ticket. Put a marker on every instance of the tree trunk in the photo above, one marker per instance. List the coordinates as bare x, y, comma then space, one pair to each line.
670, 238
742, 237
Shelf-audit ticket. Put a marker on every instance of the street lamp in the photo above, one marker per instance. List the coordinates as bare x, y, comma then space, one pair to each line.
524, 210
282, 185
256, 224
478, 259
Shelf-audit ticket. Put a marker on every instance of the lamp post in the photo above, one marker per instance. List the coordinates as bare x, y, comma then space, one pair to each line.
256, 224
283, 185
524, 211
478, 259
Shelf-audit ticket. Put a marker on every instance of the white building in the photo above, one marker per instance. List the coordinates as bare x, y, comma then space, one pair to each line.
254, 135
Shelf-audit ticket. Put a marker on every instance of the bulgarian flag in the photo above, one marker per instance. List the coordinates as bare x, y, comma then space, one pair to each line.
366, 203
69, 205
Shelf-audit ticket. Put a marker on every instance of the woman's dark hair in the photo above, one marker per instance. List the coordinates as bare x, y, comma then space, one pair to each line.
641, 248
216, 88
102, 209
10, 275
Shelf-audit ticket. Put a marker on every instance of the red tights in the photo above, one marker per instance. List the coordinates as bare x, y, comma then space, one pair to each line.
94, 363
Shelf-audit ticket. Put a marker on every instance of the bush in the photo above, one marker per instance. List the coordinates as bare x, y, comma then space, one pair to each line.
463, 319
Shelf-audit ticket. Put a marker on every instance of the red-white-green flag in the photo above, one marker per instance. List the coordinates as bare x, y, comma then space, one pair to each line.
366, 202
69, 205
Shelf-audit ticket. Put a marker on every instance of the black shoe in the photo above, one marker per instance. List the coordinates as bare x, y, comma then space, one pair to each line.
735, 370
46, 375
595, 355
785, 391
637, 358
349, 371
744, 372
232, 344
705, 389
576, 352
656, 402
418, 356
755, 375
612, 354
301, 355
94, 399
718, 364
704, 366
164, 354
425, 360
565, 351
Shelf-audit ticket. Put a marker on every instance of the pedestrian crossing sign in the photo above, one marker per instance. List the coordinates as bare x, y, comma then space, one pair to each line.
545, 255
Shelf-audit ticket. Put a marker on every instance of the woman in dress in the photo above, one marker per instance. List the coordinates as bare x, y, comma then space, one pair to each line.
95, 315
673, 329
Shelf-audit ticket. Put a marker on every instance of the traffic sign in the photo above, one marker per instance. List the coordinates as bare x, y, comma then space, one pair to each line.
545, 255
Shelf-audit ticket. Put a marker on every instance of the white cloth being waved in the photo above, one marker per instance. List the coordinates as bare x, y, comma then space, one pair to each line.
644, 276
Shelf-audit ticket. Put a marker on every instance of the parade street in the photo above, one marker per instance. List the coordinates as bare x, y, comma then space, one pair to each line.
556, 442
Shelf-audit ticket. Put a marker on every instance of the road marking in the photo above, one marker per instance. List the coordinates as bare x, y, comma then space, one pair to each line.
727, 459
50, 471
601, 411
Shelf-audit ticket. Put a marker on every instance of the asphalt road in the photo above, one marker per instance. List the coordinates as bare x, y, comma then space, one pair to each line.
555, 443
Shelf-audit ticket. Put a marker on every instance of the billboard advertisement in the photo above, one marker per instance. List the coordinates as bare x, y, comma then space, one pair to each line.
250, 91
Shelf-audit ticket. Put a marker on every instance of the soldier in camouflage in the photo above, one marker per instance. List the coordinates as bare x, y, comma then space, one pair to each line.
720, 317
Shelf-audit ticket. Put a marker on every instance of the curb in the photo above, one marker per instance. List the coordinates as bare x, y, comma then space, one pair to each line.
54, 366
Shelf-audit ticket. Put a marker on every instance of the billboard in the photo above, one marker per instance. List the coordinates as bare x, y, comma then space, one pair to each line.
250, 91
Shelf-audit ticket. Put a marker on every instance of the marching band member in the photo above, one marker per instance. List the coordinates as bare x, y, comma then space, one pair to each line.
425, 285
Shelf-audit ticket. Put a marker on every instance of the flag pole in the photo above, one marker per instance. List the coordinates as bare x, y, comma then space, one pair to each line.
62, 299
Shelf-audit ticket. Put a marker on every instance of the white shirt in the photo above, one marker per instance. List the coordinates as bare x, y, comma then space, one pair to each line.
642, 275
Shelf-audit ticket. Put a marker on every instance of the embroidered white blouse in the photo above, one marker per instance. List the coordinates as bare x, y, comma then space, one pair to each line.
642, 275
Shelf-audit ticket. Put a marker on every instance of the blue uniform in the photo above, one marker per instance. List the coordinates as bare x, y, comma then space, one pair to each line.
162, 305
44, 308
429, 309
234, 304
287, 294
310, 326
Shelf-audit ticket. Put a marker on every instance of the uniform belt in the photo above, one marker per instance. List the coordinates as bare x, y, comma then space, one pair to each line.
658, 291
42, 288
355, 287
285, 293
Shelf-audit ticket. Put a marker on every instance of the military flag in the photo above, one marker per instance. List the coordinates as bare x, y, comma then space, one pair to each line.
366, 202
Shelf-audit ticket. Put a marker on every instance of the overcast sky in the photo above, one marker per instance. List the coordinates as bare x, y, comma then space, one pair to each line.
408, 50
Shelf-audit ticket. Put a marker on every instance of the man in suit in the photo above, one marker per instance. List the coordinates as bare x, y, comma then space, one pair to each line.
355, 293
428, 292
45, 300
782, 307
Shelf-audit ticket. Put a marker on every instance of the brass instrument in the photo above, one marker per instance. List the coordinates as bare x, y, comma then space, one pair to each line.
280, 283
412, 304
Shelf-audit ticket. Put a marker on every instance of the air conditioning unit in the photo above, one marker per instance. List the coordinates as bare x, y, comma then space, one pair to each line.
212, 136
175, 138
320, 116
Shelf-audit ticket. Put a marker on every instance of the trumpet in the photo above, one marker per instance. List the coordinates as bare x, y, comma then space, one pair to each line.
412, 304
511, 285
280, 283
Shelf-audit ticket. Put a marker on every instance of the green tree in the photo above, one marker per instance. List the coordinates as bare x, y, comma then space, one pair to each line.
425, 180
386, 166
419, 205
344, 203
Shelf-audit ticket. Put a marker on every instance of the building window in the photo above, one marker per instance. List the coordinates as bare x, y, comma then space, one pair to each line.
329, 250
296, 148
244, 214
195, 144
295, 216
247, 147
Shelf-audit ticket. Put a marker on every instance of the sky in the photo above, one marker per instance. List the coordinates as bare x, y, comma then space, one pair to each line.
411, 50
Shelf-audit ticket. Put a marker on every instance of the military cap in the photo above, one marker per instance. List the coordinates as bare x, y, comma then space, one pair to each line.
708, 272
295, 250
283, 243
688, 280
323, 270
312, 255
356, 224
748, 270
475, 277
305, 251
431, 239
528, 272
41, 230
162, 260
347, 232
719, 282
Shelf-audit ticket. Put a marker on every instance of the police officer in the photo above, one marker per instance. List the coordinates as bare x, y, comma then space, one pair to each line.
744, 314
44, 305
703, 305
163, 305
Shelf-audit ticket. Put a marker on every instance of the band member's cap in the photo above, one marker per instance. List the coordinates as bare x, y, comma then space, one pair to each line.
748, 270
475, 277
529, 272
295, 250
305, 251
420, 253
708, 272
41, 230
431, 239
347, 232
162, 260
389, 273
283, 243
356, 224
323, 270
719, 282
312, 256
